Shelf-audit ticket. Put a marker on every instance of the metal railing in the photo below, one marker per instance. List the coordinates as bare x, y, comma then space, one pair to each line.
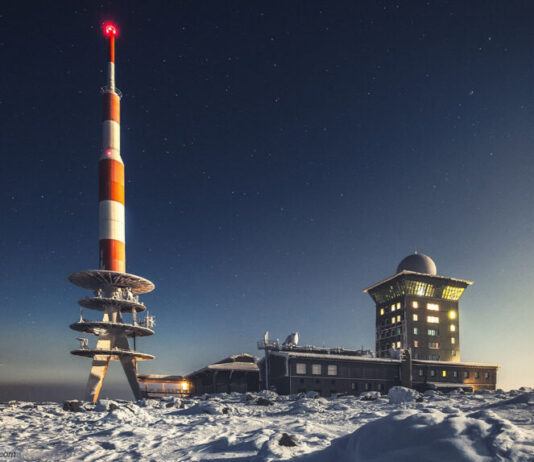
108, 89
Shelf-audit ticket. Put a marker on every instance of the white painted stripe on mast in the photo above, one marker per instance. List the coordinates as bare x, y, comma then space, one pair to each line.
111, 220
111, 136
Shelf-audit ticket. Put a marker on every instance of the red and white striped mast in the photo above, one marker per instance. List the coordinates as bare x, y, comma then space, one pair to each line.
115, 291
112, 249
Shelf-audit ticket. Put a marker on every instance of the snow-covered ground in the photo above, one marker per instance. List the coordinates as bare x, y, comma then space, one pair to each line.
402, 426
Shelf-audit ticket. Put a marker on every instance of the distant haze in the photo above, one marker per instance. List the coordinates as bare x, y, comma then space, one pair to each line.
56, 392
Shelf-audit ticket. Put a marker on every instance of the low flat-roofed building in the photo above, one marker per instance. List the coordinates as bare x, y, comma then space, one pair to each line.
158, 385
443, 375
287, 372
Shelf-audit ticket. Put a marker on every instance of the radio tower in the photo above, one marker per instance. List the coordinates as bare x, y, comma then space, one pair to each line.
114, 290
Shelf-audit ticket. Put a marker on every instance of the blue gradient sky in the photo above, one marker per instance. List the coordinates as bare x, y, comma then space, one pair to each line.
280, 157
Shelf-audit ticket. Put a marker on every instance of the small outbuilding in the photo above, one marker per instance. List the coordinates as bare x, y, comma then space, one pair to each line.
157, 386
238, 373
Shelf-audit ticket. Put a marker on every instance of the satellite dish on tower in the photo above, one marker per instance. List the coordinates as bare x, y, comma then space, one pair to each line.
292, 339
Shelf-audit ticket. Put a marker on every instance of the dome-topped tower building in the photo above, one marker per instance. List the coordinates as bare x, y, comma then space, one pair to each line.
418, 310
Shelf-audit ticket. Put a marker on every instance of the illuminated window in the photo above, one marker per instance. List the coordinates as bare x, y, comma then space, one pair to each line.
453, 340
444, 373
393, 345
398, 306
332, 369
432, 306
392, 308
301, 368
420, 288
381, 311
433, 345
398, 344
416, 343
398, 318
453, 328
452, 314
393, 320
415, 305
416, 330
316, 369
432, 319
432, 372
433, 332
415, 317
452, 293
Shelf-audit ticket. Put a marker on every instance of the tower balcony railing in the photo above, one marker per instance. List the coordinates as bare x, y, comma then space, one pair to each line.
109, 89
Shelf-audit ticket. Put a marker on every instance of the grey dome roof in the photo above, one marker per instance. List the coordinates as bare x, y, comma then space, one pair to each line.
418, 263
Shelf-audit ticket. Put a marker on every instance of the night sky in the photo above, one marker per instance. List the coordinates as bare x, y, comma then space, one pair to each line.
280, 157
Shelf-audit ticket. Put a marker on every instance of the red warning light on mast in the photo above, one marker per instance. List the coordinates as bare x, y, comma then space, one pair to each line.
110, 29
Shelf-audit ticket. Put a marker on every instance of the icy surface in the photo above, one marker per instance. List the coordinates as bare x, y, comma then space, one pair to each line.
402, 426
398, 395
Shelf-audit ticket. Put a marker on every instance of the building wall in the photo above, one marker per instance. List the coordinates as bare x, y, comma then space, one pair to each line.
479, 377
356, 376
224, 382
351, 377
407, 332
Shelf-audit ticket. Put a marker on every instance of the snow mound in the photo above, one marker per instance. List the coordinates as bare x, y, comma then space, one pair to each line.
369, 395
430, 434
308, 405
207, 407
268, 394
496, 426
127, 413
524, 398
398, 395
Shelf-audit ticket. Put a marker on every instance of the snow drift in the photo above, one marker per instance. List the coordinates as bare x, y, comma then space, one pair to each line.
431, 435
400, 426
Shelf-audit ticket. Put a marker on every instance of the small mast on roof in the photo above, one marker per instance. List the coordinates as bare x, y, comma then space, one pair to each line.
115, 291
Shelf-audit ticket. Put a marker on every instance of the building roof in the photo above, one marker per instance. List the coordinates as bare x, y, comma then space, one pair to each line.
234, 366
299, 354
159, 378
243, 362
408, 273
241, 357
418, 263
295, 354
277, 346
453, 363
